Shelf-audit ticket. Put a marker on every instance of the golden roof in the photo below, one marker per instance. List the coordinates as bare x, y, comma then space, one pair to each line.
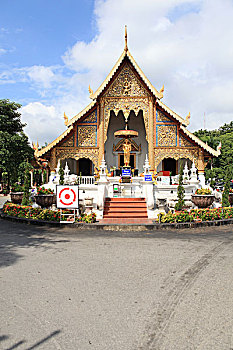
39, 153
201, 143
124, 54
81, 114
173, 114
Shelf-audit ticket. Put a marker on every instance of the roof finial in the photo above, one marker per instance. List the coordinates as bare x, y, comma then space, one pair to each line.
126, 46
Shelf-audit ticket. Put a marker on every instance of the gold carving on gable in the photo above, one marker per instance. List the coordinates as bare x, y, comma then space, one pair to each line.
166, 135
77, 153
87, 136
161, 117
126, 84
184, 142
92, 118
69, 142
175, 153
126, 105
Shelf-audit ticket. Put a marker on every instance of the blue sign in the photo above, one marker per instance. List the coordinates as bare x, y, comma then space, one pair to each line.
126, 172
148, 177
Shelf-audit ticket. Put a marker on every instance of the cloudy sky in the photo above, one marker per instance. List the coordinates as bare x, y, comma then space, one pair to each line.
51, 50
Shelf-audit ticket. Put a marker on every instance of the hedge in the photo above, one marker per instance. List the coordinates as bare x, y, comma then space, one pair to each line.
197, 215
29, 212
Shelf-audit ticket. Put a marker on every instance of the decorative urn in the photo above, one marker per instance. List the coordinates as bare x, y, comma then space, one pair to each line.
44, 200
16, 197
203, 198
231, 198
44, 197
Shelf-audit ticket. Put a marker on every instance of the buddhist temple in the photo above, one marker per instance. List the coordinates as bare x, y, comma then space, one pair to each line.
128, 143
127, 95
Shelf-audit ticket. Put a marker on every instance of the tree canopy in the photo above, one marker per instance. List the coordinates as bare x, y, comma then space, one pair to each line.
213, 137
14, 145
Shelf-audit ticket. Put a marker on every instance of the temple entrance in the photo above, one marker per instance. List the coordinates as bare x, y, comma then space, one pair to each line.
113, 147
84, 167
169, 164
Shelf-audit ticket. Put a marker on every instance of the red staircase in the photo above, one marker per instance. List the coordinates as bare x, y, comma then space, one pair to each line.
125, 211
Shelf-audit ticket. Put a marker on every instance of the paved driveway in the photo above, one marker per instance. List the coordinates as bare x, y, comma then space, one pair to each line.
60, 289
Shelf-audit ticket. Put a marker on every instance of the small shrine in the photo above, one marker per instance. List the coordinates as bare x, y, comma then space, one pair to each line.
125, 121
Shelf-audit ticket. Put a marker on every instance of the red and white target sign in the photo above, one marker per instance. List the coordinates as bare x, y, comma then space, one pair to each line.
67, 196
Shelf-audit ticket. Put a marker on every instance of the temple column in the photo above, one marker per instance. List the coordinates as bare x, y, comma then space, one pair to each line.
53, 160
151, 134
201, 167
101, 131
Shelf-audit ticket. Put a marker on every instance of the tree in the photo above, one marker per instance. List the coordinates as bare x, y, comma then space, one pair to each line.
14, 145
180, 190
26, 186
61, 173
44, 176
225, 195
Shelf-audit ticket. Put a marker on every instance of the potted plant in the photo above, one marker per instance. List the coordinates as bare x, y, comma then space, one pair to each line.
231, 196
203, 198
44, 197
16, 193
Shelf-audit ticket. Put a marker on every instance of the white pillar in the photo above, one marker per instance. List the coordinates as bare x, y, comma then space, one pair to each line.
201, 176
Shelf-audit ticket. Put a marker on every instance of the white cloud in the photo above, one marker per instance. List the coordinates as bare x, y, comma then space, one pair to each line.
188, 50
41, 75
2, 51
43, 122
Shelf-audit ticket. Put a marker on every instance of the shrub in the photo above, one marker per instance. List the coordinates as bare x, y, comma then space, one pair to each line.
16, 187
180, 190
42, 190
25, 211
204, 191
225, 195
26, 186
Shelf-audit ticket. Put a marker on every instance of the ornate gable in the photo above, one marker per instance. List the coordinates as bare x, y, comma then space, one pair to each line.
68, 142
184, 142
126, 84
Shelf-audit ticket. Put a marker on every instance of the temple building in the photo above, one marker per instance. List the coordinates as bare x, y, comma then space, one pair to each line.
126, 96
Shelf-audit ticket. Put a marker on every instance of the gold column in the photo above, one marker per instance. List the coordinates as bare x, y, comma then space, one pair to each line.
151, 134
201, 161
53, 160
101, 130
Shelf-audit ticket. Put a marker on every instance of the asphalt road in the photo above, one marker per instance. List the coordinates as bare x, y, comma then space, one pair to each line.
60, 289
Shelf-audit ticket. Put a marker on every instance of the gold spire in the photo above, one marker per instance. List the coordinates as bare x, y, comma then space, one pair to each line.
90, 91
65, 119
126, 45
187, 119
161, 91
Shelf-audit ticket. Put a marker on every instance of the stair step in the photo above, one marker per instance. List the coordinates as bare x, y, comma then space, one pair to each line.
128, 215
125, 205
124, 199
126, 221
125, 210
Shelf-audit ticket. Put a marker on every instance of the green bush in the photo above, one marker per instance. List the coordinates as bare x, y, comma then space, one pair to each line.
23, 211
197, 215
16, 187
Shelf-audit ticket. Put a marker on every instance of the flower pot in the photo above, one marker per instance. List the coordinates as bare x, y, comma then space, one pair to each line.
44, 200
202, 200
16, 197
231, 198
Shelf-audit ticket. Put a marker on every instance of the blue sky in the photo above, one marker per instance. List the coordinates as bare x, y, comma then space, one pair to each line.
38, 32
50, 51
